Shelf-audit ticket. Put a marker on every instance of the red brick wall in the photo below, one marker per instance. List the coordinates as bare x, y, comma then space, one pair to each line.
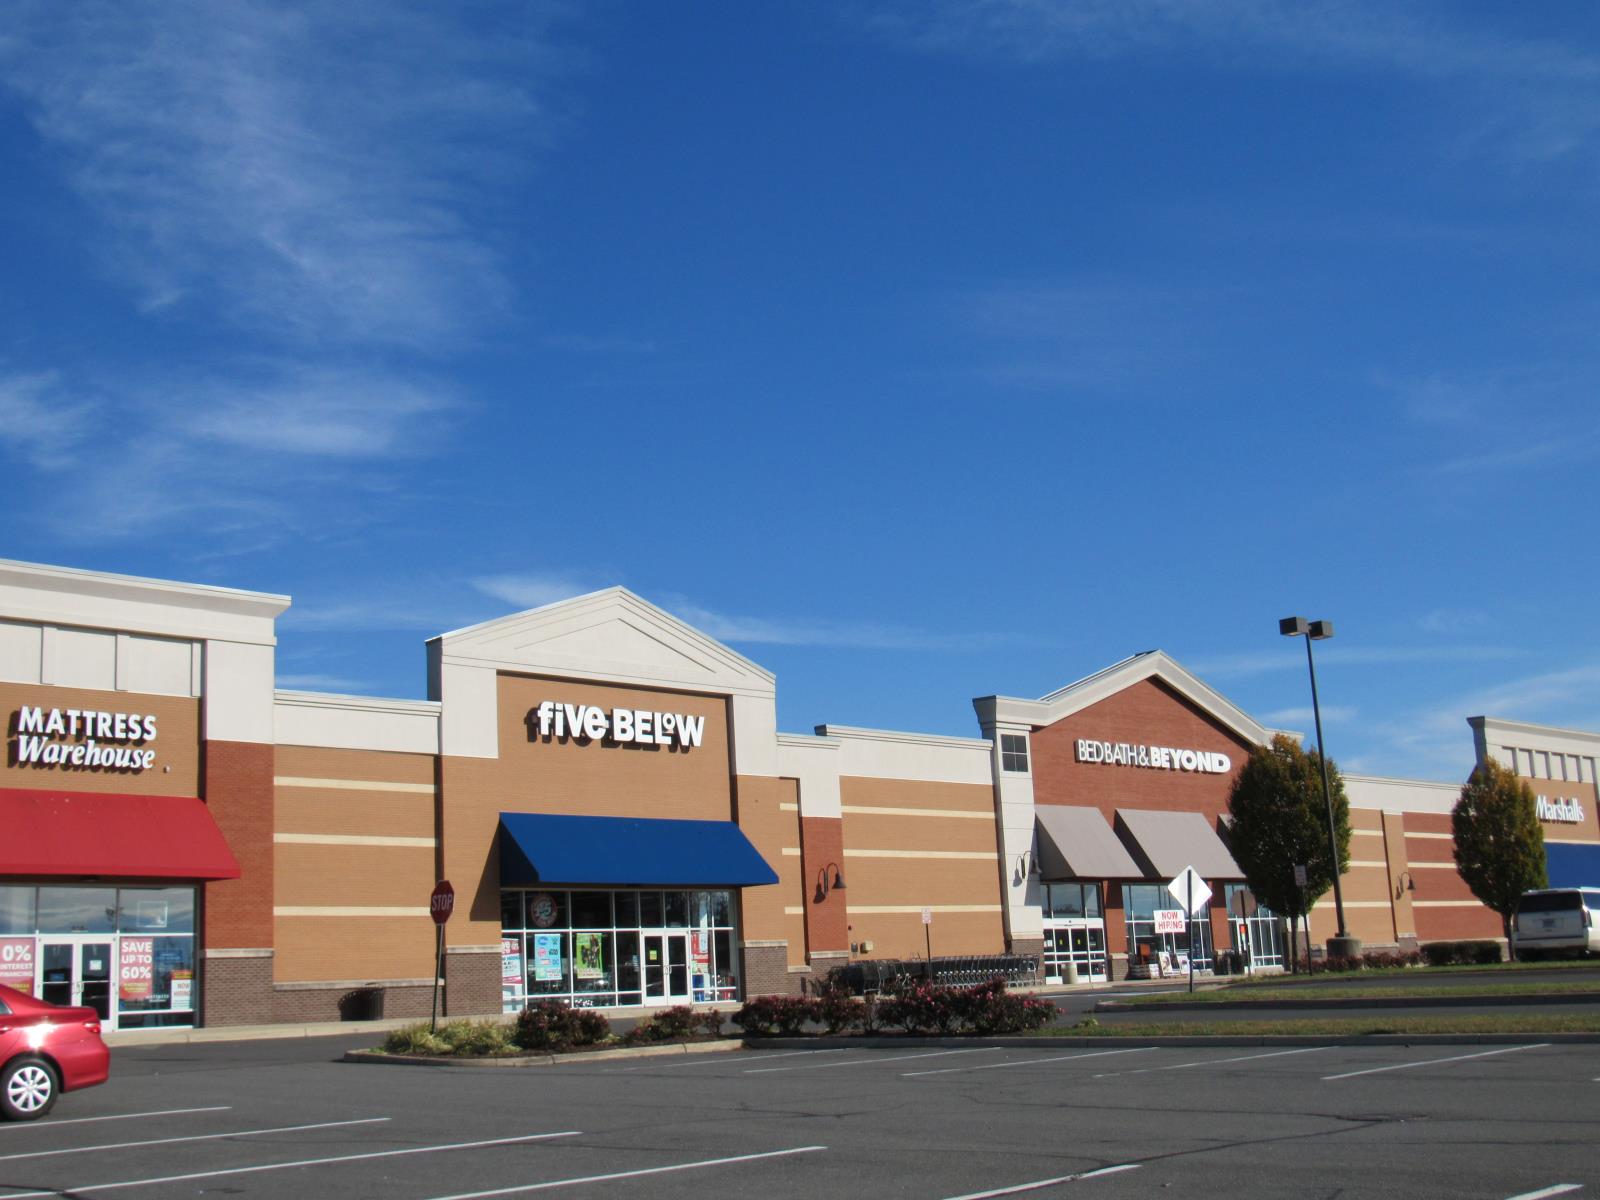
822, 849
238, 790
1148, 713
1443, 904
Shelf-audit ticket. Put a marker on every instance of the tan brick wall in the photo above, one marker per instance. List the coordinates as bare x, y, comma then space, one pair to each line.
176, 771
551, 776
899, 858
769, 815
238, 792
356, 947
1444, 905
766, 972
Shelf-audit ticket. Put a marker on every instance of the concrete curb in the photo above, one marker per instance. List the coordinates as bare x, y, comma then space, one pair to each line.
543, 1060
1353, 1005
1113, 1041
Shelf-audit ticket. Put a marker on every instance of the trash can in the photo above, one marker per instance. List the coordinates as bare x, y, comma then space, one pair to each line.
1072, 973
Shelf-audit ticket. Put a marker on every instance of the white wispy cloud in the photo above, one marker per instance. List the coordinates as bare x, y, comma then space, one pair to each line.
1534, 98
1264, 662
536, 589
323, 683
1453, 620
41, 420
315, 171
1332, 714
860, 635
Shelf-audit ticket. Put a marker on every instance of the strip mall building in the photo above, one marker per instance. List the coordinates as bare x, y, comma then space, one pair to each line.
607, 789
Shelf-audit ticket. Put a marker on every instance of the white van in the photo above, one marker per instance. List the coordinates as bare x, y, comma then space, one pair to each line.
1557, 921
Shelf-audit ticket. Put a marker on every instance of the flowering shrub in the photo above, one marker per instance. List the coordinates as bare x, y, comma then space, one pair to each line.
838, 1009
984, 1008
1445, 954
763, 1016
679, 1022
552, 1025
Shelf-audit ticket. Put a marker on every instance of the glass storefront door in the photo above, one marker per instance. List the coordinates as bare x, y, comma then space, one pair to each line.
666, 968
76, 972
1074, 932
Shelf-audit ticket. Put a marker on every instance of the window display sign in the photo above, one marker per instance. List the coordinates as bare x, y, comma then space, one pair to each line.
1169, 920
137, 974
588, 956
182, 989
511, 962
547, 966
16, 963
700, 947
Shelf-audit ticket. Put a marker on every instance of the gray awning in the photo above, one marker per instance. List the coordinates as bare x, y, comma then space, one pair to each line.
1170, 841
1077, 843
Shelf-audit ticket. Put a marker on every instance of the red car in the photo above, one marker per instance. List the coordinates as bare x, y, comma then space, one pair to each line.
45, 1049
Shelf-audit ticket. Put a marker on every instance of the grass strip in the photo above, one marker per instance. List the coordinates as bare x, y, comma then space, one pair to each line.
1266, 994
1366, 1023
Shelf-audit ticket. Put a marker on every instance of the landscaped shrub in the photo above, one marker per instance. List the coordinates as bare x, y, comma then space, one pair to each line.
478, 1039
1380, 960
669, 1023
711, 1021
920, 1008
988, 1008
414, 1039
764, 1016
837, 1008
1443, 954
1480, 952
553, 1025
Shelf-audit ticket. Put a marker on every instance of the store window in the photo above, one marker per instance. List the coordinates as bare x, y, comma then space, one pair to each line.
607, 949
126, 952
1160, 943
1074, 931
1257, 932
1014, 753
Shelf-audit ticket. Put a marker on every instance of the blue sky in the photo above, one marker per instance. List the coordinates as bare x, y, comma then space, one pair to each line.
918, 350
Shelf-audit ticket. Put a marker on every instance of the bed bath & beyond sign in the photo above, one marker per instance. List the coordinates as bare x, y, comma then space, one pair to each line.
1165, 758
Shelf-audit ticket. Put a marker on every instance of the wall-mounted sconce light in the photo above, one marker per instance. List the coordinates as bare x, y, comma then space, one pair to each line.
824, 887
1403, 884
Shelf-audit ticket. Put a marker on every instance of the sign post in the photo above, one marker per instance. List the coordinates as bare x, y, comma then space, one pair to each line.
440, 905
1189, 890
927, 938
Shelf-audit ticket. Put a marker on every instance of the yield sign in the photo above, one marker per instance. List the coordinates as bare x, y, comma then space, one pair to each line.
1190, 891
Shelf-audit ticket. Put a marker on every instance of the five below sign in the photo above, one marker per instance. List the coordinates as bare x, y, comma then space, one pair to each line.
640, 726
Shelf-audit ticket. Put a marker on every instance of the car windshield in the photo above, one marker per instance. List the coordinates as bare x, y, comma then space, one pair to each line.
1543, 902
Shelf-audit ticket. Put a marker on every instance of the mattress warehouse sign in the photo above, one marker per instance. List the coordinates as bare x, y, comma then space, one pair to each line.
1159, 758
79, 739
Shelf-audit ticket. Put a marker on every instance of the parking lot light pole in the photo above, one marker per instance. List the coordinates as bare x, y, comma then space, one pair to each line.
1316, 631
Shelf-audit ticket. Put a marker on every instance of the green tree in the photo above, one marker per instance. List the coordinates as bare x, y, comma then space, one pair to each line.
1499, 842
1277, 818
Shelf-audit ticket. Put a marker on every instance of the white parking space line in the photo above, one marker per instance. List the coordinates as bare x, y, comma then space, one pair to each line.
583, 1179
163, 1112
1023, 1062
1211, 1062
1037, 1184
116, 1184
194, 1137
1429, 1062
862, 1062
718, 1060
1559, 1189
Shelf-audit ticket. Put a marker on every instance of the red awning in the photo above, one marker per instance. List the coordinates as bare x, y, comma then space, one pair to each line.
106, 833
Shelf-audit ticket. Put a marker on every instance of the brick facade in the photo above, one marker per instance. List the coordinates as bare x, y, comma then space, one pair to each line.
471, 982
236, 990
766, 969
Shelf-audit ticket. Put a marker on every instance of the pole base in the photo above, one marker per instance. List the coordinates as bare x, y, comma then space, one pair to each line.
1344, 947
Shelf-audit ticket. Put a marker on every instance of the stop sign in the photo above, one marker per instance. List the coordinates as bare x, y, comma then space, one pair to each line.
442, 903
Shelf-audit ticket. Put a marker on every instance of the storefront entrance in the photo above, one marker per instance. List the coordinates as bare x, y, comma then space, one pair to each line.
76, 972
666, 968
1074, 932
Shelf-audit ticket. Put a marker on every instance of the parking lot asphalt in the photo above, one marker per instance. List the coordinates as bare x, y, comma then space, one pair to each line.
286, 1119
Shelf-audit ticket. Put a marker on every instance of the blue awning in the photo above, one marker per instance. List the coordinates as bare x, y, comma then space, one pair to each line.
543, 848
1572, 865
